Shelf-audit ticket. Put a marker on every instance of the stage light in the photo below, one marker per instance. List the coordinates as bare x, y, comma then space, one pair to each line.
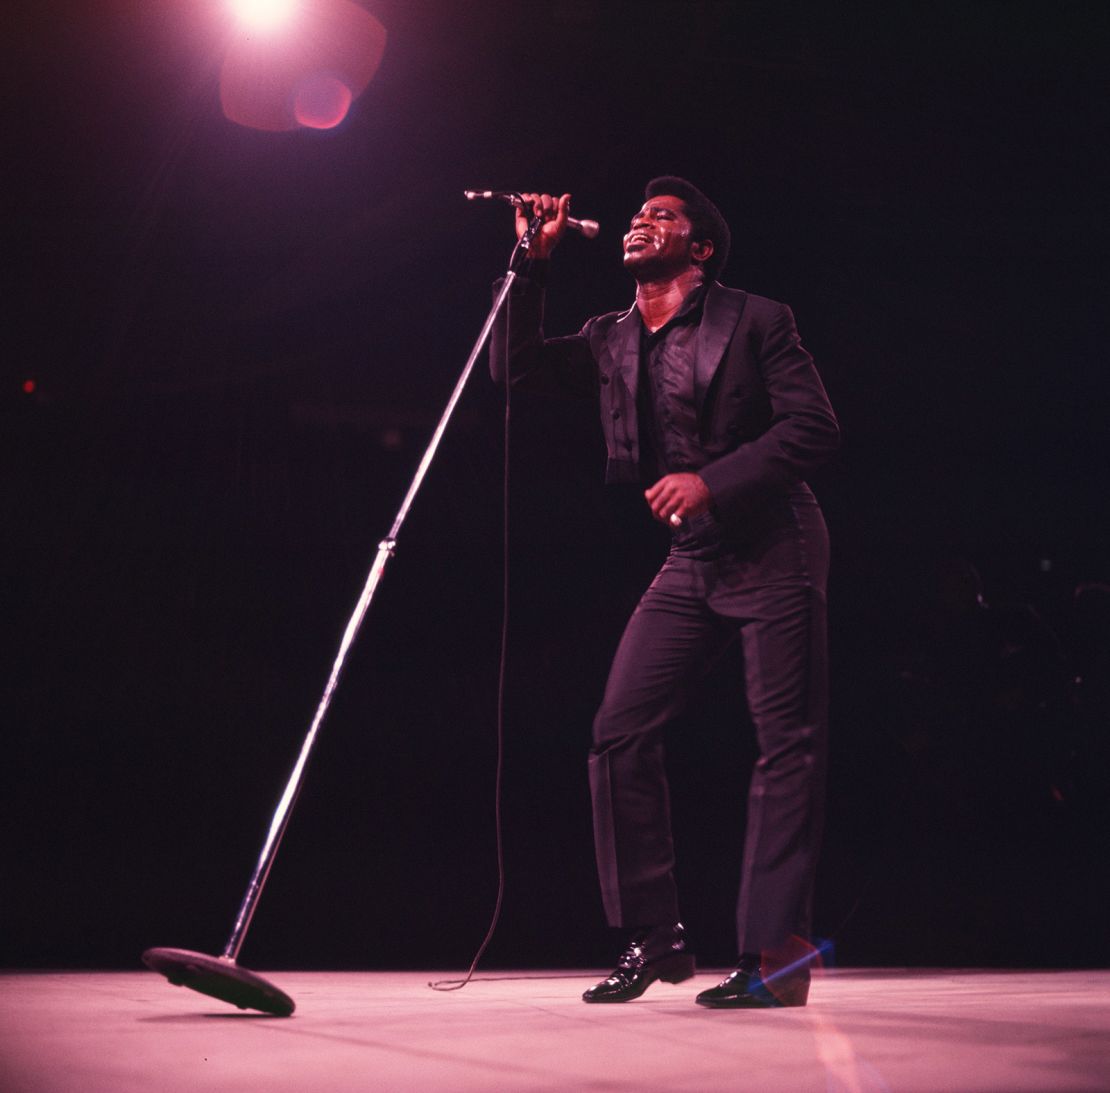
29, 387
263, 14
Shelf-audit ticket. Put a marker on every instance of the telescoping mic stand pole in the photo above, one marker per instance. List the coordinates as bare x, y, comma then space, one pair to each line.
221, 976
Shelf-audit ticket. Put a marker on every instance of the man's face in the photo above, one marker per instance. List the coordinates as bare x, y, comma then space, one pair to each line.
658, 242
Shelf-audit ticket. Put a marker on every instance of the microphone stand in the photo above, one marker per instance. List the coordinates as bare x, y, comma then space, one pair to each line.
222, 977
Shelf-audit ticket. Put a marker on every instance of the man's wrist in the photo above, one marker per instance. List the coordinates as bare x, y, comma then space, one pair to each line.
535, 269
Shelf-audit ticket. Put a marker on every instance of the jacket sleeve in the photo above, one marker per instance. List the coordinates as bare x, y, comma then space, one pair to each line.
802, 433
553, 366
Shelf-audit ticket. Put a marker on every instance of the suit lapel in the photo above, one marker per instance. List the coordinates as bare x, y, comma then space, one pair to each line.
723, 308
623, 342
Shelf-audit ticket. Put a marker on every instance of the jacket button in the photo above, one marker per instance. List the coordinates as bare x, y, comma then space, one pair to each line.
616, 414
604, 377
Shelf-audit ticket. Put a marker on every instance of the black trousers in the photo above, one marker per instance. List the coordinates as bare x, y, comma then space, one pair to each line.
772, 590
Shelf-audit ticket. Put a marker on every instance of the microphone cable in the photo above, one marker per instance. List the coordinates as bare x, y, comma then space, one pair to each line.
499, 767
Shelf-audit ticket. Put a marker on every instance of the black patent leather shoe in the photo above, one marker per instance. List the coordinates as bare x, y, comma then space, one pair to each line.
654, 954
751, 987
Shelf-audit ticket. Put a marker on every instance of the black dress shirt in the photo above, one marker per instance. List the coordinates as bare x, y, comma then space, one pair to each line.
667, 410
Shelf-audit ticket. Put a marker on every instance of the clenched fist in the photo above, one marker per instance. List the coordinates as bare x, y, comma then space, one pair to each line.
678, 495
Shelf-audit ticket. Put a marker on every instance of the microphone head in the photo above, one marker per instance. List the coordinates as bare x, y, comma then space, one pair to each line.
589, 228
491, 195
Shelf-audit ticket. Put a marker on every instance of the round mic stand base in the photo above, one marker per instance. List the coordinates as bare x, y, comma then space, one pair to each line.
219, 977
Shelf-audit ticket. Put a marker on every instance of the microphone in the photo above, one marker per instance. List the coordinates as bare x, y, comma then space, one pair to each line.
588, 228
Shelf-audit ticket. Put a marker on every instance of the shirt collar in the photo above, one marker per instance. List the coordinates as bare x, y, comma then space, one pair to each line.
689, 308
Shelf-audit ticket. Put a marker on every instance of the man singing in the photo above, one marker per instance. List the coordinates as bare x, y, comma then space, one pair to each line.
709, 400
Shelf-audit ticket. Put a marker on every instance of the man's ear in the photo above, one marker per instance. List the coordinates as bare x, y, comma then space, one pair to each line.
702, 251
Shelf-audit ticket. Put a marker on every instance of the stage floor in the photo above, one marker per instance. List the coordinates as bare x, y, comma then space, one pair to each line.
864, 1030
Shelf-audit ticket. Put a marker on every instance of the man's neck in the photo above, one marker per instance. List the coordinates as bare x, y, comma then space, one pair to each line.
659, 301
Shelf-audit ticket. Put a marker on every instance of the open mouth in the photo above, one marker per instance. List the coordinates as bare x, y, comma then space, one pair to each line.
637, 239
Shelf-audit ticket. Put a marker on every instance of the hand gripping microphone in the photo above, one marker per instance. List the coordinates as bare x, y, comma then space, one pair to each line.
588, 228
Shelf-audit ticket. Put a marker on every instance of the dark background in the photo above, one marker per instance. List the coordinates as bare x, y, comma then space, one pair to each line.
240, 342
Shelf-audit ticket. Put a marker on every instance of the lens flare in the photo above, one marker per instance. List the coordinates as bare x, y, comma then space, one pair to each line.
321, 102
309, 74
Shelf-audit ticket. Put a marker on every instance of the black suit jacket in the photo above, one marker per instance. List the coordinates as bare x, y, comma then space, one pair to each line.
763, 414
